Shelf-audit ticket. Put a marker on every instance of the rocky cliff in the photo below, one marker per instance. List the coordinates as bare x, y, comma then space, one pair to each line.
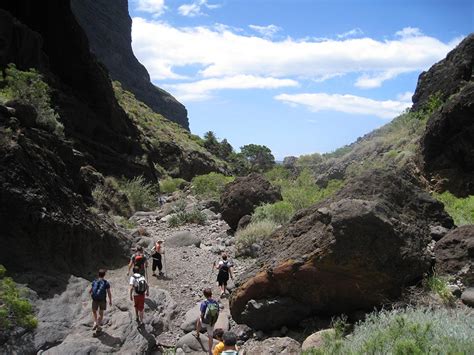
108, 27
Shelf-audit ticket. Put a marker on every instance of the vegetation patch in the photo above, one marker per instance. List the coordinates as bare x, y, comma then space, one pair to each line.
460, 209
279, 212
409, 331
14, 309
29, 87
210, 185
183, 217
439, 285
255, 232
142, 195
170, 185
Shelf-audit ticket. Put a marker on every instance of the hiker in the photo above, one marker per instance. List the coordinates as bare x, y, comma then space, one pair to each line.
157, 251
225, 270
99, 291
138, 289
230, 339
209, 313
138, 259
218, 333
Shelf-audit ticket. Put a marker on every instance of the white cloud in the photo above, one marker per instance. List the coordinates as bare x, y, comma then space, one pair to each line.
409, 32
195, 8
222, 52
202, 89
406, 96
346, 103
155, 7
355, 32
266, 31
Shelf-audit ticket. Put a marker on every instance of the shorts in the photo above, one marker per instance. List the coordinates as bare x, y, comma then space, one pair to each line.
209, 328
139, 301
222, 278
99, 304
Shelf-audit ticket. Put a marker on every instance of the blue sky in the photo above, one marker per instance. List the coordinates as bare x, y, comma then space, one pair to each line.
299, 76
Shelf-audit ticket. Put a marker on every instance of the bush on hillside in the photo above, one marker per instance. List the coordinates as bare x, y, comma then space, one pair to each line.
460, 209
28, 87
210, 185
182, 217
170, 185
142, 195
14, 309
408, 331
279, 212
255, 232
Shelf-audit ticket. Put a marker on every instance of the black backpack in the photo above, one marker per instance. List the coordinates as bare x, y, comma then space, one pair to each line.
99, 289
140, 287
225, 267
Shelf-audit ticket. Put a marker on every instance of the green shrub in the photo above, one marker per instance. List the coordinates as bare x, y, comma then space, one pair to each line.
14, 310
142, 195
279, 212
210, 185
182, 217
460, 209
408, 331
254, 232
170, 185
439, 285
278, 174
125, 222
28, 87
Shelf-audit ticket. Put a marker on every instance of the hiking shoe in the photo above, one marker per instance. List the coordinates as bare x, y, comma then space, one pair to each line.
153, 274
161, 274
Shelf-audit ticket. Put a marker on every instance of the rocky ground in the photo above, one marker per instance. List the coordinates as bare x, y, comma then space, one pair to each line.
65, 321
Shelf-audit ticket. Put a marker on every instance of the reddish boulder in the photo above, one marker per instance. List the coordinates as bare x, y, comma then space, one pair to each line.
241, 196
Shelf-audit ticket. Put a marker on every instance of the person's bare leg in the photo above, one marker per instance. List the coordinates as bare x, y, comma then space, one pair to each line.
198, 328
209, 338
101, 317
94, 315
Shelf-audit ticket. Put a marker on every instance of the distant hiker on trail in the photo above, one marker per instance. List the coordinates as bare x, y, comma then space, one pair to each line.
225, 270
218, 333
209, 313
138, 289
230, 339
157, 251
99, 291
138, 259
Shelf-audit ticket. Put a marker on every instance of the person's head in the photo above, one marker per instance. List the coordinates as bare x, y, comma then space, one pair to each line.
136, 269
224, 256
229, 339
207, 292
101, 273
218, 333
139, 248
160, 241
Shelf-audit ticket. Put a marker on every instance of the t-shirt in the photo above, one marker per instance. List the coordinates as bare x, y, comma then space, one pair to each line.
102, 286
230, 352
221, 263
134, 281
218, 348
205, 303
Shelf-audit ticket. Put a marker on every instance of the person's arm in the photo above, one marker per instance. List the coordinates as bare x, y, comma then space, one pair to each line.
110, 296
130, 264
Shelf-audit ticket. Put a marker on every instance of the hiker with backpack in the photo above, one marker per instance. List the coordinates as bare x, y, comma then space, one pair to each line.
138, 259
138, 289
209, 313
225, 271
230, 340
157, 251
99, 291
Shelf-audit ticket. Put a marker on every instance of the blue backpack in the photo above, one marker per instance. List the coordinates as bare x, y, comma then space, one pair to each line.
99, 289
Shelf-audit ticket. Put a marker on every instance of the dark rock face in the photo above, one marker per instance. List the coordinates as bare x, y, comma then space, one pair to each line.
46, 36
447, 145
354, 251
455, 254
44, 222
241, 196
108, 27
448, 76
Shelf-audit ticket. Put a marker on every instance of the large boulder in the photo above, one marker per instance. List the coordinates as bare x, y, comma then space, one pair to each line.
183, 239
316, 340
455, 254
354, 251
241, 196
